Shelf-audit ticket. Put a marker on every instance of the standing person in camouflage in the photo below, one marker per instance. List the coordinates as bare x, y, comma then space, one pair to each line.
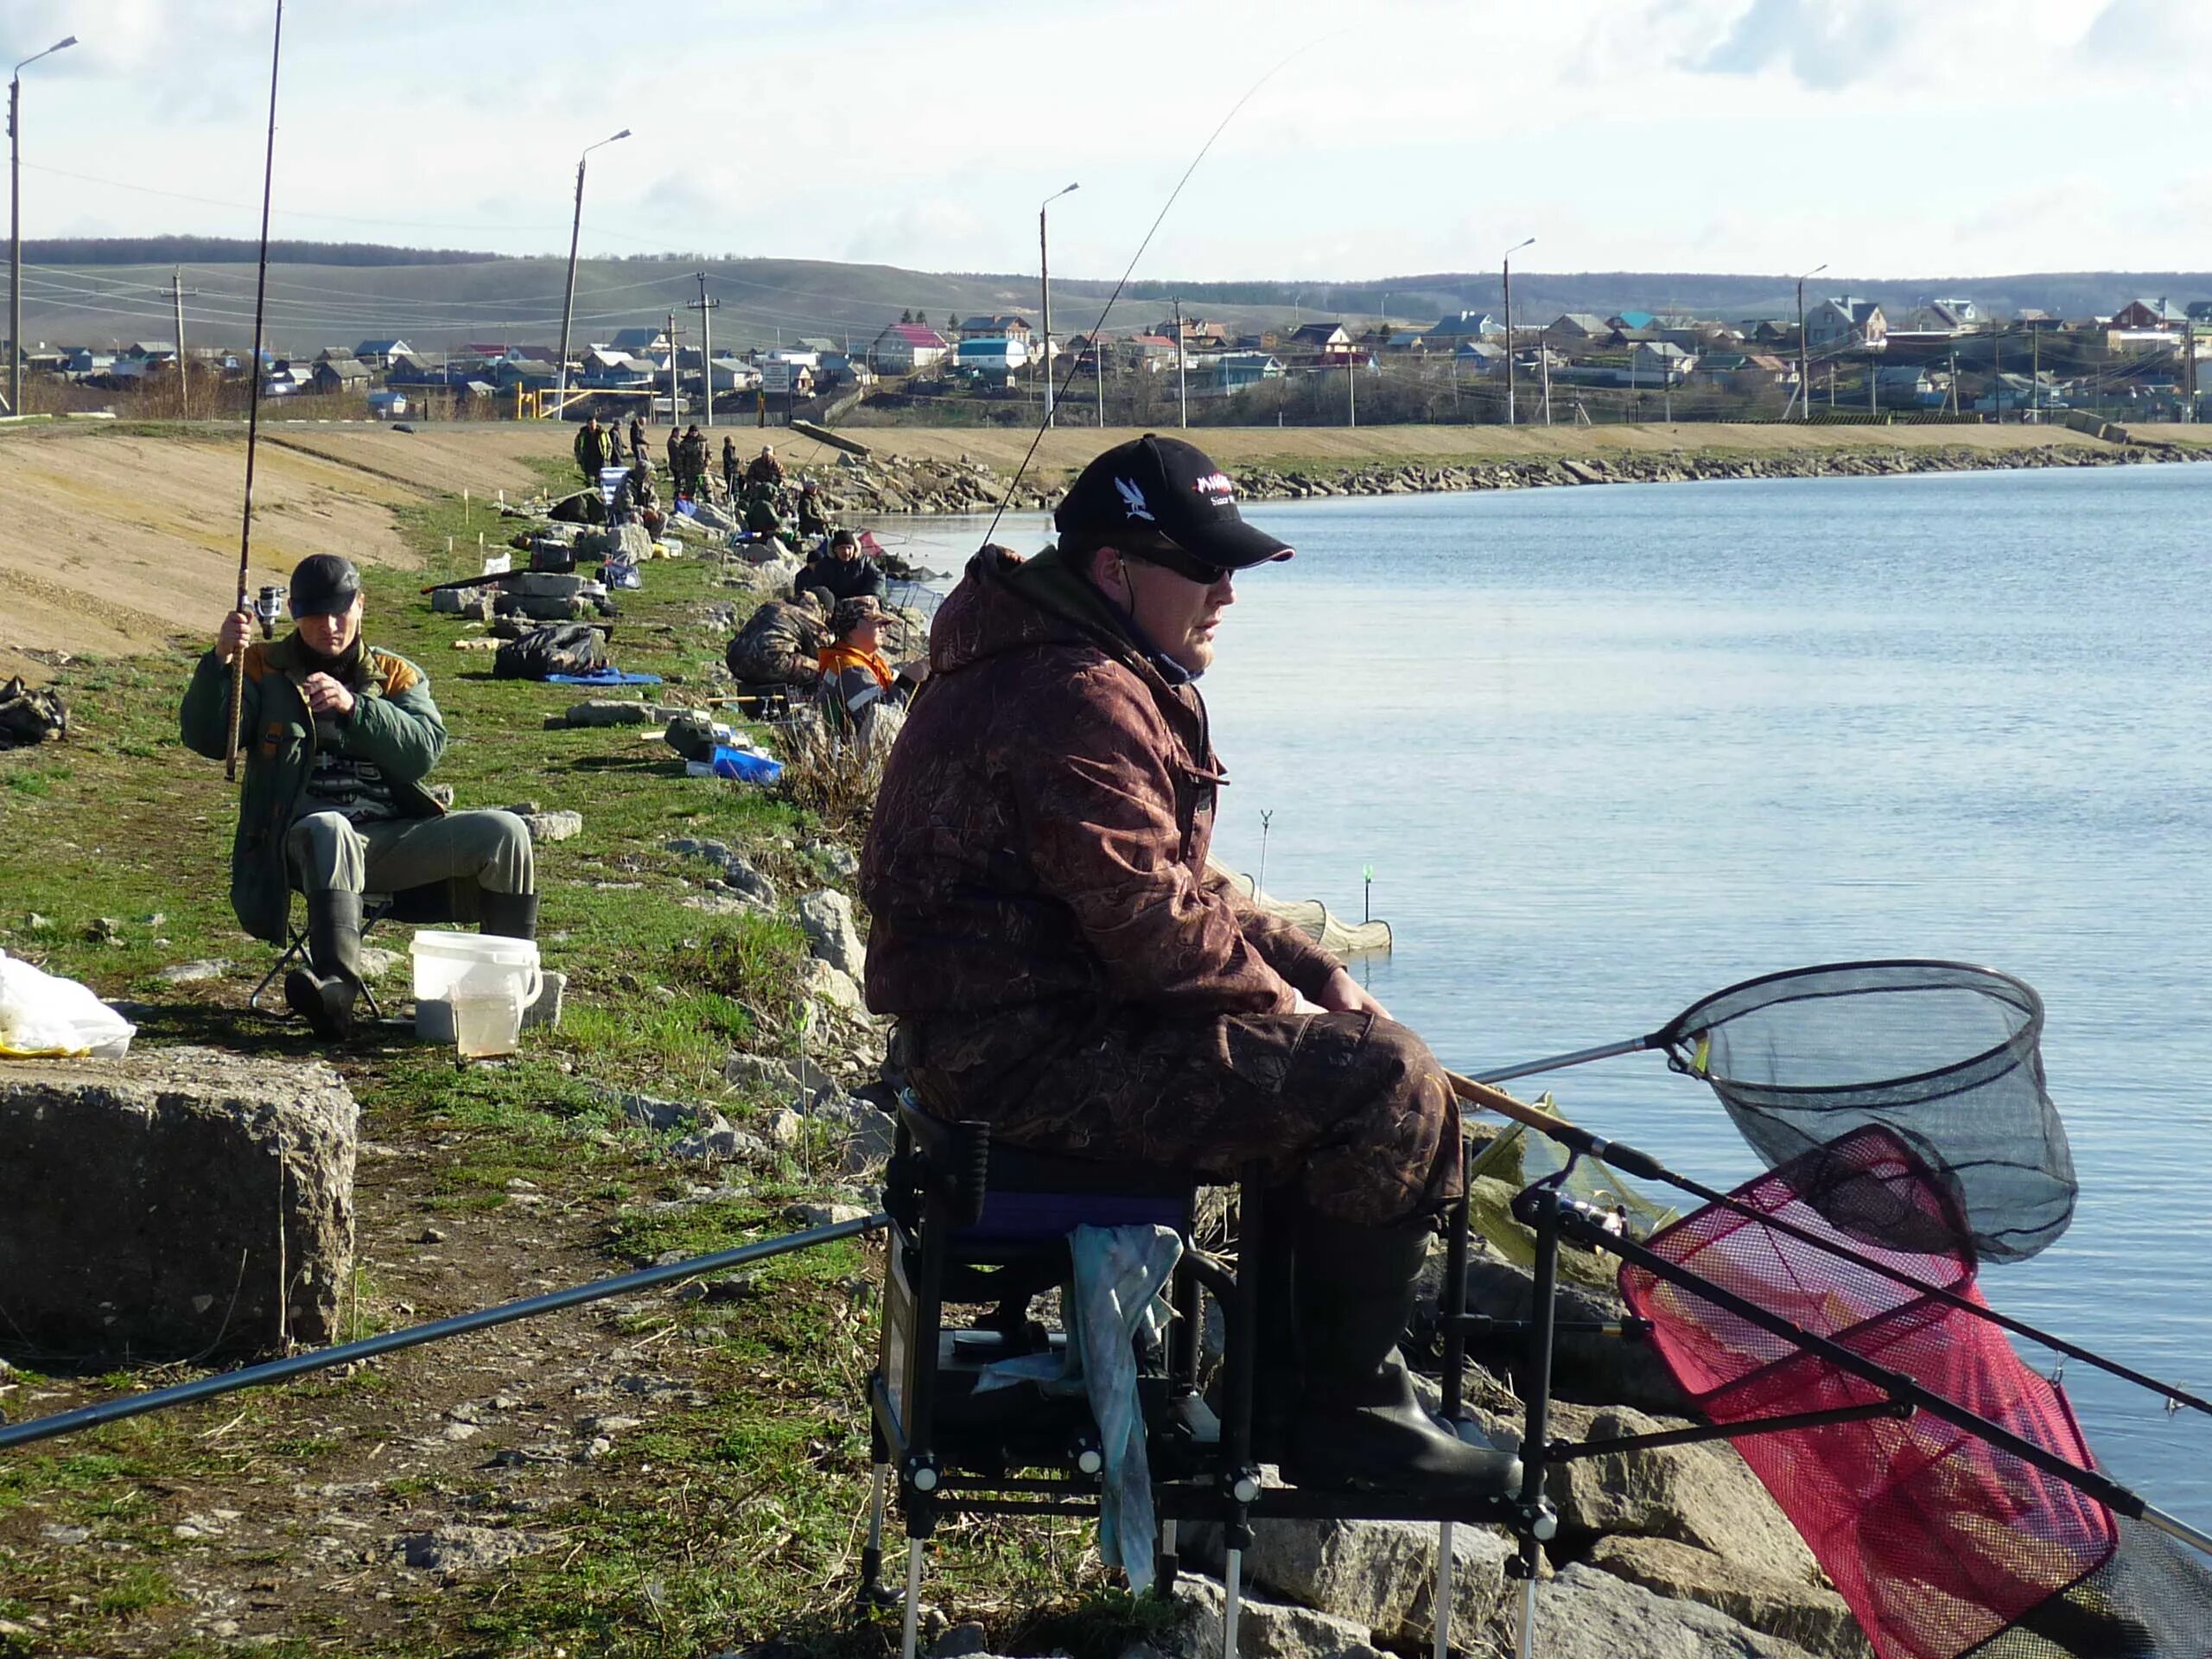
337, 738
730, 470
780, 644
693, 451
637, 439
1062, 967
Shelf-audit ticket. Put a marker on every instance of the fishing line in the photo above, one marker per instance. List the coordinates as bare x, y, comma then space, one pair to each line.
1160, 218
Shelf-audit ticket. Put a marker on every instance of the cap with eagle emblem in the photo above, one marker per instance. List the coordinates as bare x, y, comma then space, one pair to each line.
1174, 490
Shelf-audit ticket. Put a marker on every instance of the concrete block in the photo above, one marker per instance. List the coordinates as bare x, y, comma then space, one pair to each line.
179, 1202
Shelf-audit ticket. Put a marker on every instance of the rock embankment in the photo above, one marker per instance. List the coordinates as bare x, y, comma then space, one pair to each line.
858, 486
1262, 484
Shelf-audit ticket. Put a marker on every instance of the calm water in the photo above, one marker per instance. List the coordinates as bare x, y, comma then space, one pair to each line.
1608, 750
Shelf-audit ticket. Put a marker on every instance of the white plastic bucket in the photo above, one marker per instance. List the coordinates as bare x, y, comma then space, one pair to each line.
451, 968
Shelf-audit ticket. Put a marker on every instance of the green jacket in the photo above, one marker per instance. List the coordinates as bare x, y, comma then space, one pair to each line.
394, 723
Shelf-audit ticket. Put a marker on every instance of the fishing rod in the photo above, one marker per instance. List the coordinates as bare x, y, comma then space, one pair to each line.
413, 1336
1631, 1161
1159, 218
253, 400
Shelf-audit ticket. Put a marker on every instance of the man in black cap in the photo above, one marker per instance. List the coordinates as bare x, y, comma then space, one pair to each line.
1061, 965
844, 570
337, 737
592, 449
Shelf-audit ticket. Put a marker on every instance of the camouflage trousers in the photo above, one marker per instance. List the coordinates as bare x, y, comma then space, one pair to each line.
763, 662
1352, 1111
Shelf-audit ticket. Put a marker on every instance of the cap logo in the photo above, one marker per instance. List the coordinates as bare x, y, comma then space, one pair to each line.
1133, 502
1214, 484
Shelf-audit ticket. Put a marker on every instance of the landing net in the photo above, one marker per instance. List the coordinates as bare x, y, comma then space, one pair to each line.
1944, 1055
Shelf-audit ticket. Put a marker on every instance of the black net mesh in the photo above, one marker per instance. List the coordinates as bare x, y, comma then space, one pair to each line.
1942, 1054
2152, 1599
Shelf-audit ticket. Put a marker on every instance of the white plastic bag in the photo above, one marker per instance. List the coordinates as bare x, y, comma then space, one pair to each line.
41, 1014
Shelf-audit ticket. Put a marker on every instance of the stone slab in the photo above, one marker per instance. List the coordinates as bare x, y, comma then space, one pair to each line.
178, 1202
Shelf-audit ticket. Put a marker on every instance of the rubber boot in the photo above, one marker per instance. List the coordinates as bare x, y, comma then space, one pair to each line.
322, 993
1360, 1423
513, 915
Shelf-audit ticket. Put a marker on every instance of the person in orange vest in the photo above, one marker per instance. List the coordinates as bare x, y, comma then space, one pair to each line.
853, 668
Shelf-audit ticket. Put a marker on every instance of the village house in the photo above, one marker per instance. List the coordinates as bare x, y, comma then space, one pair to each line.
380, 354
640, 342
1319, 344
1576, 328
1446, 333
1908, 386
1845, 324
994, 328
1225, 374
907, 348
339, 374
1659, 362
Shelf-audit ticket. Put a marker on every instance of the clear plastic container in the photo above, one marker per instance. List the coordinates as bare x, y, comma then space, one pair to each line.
486, 1025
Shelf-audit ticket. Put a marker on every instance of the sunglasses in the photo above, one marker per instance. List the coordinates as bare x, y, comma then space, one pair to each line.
1168, 556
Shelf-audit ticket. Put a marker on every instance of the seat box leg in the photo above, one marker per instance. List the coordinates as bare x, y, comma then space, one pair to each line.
1442, 1619
910, 1634
1232, 1591
872, 1592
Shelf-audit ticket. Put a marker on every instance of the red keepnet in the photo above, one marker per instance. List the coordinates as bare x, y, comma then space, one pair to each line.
1937, 1540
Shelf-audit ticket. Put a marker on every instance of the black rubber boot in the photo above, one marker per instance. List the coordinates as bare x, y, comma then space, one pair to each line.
322, 993
1360, 1423
513, 915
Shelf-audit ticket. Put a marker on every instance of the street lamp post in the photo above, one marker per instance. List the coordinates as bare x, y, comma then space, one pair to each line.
15, 225
568, 306
1044, 281
1508, 263
1804, 385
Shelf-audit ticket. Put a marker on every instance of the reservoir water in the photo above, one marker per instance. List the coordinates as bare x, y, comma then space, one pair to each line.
1608, 750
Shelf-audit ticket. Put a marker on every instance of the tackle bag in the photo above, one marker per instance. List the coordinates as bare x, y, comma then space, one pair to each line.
557, 648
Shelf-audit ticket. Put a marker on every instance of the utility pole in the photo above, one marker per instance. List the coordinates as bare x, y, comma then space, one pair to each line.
705, 307
1351, 390
1044, 284
1803, 371
177, 291
1544, 368
674, 406
1506, 265
568, 304
1873, 380
1182, 380
1954, 382
15, 225
2035, 375
1098, 372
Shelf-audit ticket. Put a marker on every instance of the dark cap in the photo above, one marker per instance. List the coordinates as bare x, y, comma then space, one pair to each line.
323, 585
843, 538
1166, 487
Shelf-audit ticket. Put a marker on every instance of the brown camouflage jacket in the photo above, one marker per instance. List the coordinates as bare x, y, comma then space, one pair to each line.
1036, 862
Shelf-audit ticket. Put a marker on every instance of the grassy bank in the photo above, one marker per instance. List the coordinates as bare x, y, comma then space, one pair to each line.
686, 1471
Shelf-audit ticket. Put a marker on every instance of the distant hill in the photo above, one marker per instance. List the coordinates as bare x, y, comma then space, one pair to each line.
323, 294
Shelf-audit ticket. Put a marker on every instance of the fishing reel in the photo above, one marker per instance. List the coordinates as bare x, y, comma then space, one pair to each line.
268, 606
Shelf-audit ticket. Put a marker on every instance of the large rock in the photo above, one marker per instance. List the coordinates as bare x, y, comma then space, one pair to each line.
178, 1202
1265, 1629
606, 711
1702, 1495
1585, 1613
1817, 1620
1380, 1575
820, 982
826, 917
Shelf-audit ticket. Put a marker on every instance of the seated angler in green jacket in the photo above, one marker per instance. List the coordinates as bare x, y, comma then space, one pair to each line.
337, 737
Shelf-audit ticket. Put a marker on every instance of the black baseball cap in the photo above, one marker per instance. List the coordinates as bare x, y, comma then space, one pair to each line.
323, 584
1165, 488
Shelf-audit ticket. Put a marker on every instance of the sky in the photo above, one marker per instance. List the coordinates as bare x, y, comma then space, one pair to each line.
1885, 138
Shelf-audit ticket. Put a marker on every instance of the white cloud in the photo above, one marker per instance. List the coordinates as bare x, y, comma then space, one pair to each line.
2149, 33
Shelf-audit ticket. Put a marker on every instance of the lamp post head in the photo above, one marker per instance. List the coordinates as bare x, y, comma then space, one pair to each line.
1517, 246
49, 53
